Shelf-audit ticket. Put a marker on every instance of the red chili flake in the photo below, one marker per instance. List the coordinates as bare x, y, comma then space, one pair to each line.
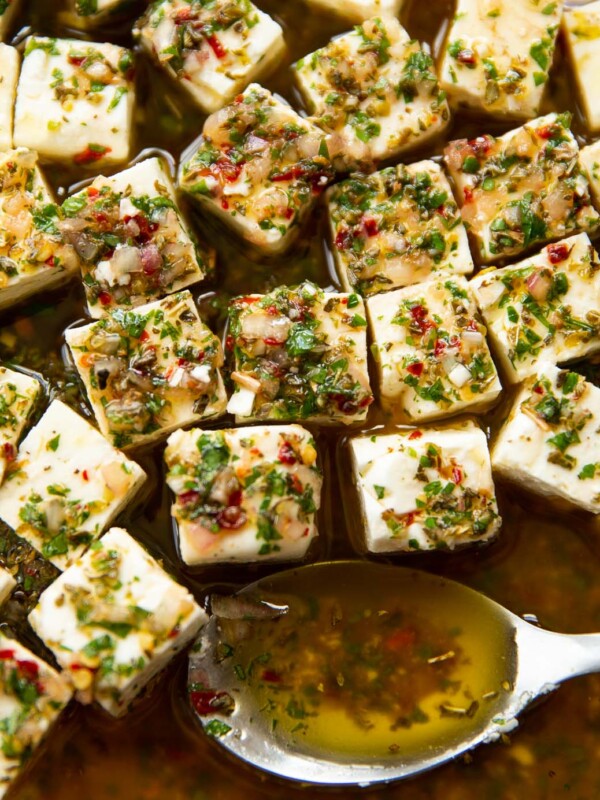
227, 169
297, 484
345, 404
187, 498
184, 15
401, 639
272, 310
51, 262
250, 299
100, 217
546, 132
271, 676
468, 194
92, 153
208, 701
366, 401
371, 226
231, 518
144, 335
78, 667
418, 312
439, 347
466, 56
105, 298
416, 435
481, 145
239, 99
5, 655
29, 669
146, 227
216, 46
538, 389
289, 213
416, 368
85, 475
225, 204
557, 252
175, 632
235, 498
472, 326
271, 342
286, 454
229, 343
8, 451
92, 191
182, 362
343, 240
76, 61
457, 475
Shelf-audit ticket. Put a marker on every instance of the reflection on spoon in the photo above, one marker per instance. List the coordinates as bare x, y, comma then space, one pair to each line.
358, 673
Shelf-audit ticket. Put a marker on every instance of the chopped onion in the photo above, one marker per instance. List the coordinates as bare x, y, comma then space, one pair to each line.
246, 381
241, 403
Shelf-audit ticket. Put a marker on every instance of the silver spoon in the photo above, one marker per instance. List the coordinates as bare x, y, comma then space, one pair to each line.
253, 702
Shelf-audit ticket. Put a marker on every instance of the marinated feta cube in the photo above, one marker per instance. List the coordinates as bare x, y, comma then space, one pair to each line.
582, 35
356, 10
424, 489
431, 352
544, 308
149, 371
375, 89
498, 55
245, 494
7, 584
521, 189
19, 394
88, 13
66, 485
395, 228
9, 75
114, 620
260, 167
32, 696
300, 354
75, 101
133, 243
33, 255
589, 158
8, 11
549, 443
213, 50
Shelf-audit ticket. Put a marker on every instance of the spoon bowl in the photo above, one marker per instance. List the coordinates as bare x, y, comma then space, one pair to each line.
354, 673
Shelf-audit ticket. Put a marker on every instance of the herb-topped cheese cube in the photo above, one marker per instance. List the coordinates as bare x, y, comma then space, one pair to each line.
88, 13
376, 90
66, 485
260, 167
75, 101
549, 442
19, 394
498, 55
114, 620
544, 308
300, 354
7, 584
133, 242
425, 489
9, 75
356, 10
523, 188
33, 255
589, 158
8, 11
582, 35
149, 371
396, 227
245, 494
32, 696
431, 351
214, 50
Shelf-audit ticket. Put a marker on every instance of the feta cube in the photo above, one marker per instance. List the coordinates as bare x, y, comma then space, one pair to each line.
89, 13
589, 158
7, 584
66, 485
498, 54
549, 443
582, 35
213, 50
114, 620
302, 353
8, 11
544, 308
33, 255
244, 494
259, 167
424, 489
32, 696
75, 101
521, 189
149, 371
19, 394
356, 10
135, 244
431, 352
9, 75
375, 89
396, 227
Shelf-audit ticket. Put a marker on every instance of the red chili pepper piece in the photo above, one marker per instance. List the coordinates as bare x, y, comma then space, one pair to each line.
29, 670
105, 298
231, 517
416, 435
457, 475
6, 655
371, 226
466, 56
216, 46
91, 154
557, 253
416, 368
286, 454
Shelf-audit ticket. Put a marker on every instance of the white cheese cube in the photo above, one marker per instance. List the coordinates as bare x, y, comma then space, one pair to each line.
149, 371
544, 308
75, 101
375, 89
32, 696
244, 494
66, 485
213, 50
133, 243
356, 10
424, 489
303, 353
522, 189
7, 584
589, 158
549, 443
396, 227
498, 54
431, 352
89, 13
8, 11
19, 394
581, 28
114, 620
260, 167
9, 75
33, 255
